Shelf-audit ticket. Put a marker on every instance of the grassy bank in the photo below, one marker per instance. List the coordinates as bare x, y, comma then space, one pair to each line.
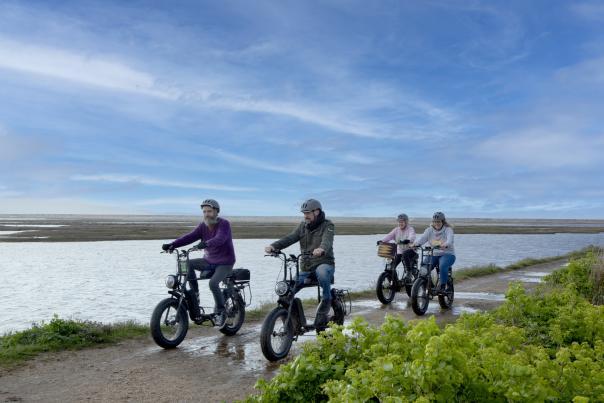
479, 271
61, 334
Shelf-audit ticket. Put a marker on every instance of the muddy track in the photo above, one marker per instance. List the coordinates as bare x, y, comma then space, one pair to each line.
208, 366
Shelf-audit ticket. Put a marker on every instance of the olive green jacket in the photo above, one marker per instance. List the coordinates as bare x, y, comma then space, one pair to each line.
320, 237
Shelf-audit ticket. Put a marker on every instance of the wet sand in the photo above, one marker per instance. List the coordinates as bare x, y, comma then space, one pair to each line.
66, 228
208, 366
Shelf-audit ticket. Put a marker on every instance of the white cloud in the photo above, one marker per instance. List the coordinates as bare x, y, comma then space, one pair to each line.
14, 147
542, 148
6, 192
590, 71
225, 92
304, 168
141, 180
87, 69
591, 10
228, 206
60, 205
356, 158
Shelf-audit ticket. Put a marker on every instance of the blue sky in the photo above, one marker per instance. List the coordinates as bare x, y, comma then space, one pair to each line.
478, 109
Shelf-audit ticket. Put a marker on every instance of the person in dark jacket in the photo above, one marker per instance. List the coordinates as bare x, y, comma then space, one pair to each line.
219, 254
315, 235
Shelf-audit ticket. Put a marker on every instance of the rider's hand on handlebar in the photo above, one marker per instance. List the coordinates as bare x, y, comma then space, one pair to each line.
167, 247
269, 249
379, 243
318, 252
201, 245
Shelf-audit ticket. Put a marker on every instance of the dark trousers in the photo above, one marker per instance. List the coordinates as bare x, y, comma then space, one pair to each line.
215, 272
407, 257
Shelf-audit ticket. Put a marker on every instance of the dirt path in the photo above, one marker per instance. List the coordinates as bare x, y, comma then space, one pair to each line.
208, 366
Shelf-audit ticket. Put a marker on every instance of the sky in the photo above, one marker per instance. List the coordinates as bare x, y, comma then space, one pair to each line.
474, 108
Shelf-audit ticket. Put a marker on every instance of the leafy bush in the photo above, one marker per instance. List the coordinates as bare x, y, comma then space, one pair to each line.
546, 346
585, 275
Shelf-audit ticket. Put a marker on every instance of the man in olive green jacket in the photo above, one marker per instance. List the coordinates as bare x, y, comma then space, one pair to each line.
315, 235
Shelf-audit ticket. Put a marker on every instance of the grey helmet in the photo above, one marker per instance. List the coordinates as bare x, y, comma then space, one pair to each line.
211, 203
403, 217
310, 205
439, 216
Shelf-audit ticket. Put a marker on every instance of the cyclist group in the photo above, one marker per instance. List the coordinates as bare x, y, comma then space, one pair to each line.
315, 235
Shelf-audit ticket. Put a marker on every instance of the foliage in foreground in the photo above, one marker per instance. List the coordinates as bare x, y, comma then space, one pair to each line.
545, 346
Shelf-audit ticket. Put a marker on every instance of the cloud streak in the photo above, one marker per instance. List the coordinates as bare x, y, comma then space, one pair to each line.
78, 68
141, 180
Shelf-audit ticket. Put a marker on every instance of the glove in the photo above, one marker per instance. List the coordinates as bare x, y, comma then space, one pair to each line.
379, 243
201, 245
167, 247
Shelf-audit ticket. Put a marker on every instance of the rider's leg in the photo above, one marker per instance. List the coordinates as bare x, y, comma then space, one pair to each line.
324, 276
396, 261
219, 275
446, 261
300, 280
408, 257
195, 264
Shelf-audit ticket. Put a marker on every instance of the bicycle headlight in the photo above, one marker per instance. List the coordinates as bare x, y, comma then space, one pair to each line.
281, 288
171, 281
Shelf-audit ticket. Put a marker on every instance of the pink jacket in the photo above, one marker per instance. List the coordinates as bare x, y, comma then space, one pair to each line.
398, 235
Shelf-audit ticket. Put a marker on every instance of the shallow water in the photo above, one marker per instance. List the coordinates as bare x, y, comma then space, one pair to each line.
113, 281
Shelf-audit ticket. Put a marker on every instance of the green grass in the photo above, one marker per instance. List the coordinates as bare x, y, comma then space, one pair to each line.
61, 334
479, 271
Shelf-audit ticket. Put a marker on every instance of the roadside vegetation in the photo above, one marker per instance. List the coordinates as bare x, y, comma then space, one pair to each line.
547, 345
62, 334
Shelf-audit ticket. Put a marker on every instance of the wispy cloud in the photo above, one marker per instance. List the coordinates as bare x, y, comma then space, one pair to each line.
590, 10
543, 148
86, 69
6, 192
304, 168
141, 180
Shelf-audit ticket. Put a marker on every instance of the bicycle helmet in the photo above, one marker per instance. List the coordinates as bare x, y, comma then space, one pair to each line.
310, 205
211, 203
439, 216
403, 217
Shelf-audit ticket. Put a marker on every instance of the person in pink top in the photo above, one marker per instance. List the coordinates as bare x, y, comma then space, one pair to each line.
399, 234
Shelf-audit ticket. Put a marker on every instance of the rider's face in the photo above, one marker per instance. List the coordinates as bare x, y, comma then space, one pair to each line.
402, 224
209, 214
437, 224
309, 216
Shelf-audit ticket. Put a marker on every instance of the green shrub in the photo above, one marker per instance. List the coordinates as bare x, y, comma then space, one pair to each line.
546, 346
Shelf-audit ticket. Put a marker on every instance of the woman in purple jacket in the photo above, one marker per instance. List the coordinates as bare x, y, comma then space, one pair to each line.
219, 257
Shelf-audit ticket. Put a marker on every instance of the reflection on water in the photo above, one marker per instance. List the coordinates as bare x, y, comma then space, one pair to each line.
114, 281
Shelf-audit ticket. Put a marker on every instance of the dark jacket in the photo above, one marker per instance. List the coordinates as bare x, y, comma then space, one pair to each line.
310, 239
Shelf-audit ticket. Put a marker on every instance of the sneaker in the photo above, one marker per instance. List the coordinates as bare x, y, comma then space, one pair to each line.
220, 319
321, 316
441, 289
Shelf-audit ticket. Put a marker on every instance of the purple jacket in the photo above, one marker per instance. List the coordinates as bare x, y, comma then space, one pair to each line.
219, 242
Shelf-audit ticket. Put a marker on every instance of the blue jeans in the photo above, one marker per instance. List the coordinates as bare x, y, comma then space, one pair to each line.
324, 273
444, 262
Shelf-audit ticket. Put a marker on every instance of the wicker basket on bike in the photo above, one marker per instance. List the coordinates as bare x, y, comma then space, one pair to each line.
386, 250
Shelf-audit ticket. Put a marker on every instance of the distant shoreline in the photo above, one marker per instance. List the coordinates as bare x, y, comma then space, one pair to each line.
74, 228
